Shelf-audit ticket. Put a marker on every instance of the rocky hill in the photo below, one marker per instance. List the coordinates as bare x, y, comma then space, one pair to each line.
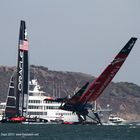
123, 98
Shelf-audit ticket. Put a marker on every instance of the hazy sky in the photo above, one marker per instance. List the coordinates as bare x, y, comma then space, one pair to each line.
73, 35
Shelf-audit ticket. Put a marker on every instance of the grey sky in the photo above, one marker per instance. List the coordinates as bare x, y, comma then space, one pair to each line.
73, 35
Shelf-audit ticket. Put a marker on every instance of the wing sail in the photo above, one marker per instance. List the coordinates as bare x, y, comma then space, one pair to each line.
22, 71
97, 86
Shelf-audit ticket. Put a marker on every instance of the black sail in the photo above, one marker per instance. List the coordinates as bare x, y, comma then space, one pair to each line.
10, 110
22, 72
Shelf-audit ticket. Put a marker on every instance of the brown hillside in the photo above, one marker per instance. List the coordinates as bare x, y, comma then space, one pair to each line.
123, 98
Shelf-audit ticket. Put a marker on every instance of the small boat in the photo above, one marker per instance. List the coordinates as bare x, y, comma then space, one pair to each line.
115, 119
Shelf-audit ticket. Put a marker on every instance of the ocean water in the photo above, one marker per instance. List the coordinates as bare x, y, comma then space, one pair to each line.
68, 132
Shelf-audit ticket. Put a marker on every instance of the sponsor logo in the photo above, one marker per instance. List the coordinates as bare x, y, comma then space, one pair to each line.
118, 60
20, 77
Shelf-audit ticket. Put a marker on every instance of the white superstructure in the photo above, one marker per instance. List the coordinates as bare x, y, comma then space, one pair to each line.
40, 108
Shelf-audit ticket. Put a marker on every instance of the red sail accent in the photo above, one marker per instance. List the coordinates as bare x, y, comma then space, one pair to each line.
97, 86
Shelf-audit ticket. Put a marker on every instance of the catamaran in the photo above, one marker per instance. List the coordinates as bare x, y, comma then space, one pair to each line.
81, 102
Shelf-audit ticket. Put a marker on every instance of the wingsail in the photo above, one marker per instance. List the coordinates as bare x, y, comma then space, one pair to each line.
22, 71
97, 86
10, 110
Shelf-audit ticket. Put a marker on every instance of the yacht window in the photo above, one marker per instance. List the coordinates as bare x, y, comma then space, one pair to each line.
34, 101
35, 107
37, 113
51, 107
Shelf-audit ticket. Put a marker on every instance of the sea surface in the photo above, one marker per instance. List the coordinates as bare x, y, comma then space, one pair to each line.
68, 132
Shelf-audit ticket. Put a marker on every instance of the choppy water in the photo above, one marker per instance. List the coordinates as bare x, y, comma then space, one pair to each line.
68, 132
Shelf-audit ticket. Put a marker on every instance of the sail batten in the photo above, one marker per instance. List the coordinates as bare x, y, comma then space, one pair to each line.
12, 106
